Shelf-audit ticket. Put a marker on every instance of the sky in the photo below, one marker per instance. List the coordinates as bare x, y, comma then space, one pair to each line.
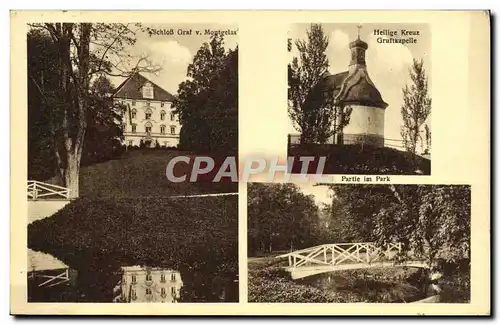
387, 64
174, 52
321, 193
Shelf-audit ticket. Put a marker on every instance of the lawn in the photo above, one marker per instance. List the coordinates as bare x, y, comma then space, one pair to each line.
96, 236
358, 159
142, 173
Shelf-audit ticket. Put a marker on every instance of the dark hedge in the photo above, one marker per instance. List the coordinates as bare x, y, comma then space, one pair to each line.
357, 159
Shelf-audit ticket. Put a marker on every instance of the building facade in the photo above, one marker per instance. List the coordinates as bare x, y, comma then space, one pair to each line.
354, 89
144, 284
149, 119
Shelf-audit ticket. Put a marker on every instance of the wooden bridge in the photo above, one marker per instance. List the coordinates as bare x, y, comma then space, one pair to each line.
344, 256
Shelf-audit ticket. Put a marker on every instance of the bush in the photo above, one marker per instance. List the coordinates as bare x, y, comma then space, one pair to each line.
357, 159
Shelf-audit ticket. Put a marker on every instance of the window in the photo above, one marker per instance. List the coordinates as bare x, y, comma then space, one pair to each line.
131, 143
162, 279
134, 279
162, 115
172, 129
148, 116
147, 90
148, 103
162, 104
173, 291
149, 277
134, 128
134, 113
172, 117
162, 129
133, 294
163, 291
148, 291
172, 277
148, 129
133, 103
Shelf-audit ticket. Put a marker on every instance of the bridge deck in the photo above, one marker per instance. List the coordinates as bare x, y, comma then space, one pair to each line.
344, 256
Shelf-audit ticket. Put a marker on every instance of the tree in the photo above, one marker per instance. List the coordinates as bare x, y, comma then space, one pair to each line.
41, 57
316, 115
84, 52
207, 103
280, 217
416, 107
432, 221
104, 124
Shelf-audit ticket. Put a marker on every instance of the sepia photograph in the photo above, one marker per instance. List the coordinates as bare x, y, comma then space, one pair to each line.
111, 108
346, 243
360, 95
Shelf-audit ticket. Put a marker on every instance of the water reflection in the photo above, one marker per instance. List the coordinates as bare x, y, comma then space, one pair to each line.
50, 282
148, 284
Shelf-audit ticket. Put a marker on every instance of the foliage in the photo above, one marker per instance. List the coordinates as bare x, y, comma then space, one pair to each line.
416, 108
280, 217
207, 103
41, 62
197, 236
431, 221
316, 124
358, 159
273, 285
104, 132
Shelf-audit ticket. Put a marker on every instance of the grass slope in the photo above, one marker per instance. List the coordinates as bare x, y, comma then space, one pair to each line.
357, 159
197, 236
142, 173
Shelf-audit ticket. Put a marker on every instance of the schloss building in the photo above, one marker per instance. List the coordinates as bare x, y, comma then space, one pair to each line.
149, 118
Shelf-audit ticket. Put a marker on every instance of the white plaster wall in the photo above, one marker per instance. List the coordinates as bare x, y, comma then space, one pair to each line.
366, 120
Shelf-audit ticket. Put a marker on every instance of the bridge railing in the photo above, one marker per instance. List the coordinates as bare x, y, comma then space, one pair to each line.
343, 253
37, 190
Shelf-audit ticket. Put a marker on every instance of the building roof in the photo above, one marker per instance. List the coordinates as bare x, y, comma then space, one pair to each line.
131, 89
357, 89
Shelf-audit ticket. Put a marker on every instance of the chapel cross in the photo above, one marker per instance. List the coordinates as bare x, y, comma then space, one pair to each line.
359, 27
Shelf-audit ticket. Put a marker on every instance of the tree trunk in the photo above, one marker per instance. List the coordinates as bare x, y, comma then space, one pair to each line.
72, 175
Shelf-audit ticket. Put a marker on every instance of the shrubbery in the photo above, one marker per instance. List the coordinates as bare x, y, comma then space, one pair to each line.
357, 159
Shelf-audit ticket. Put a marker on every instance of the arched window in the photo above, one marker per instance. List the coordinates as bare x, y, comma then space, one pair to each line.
148, 114
172, 117
148, 127
172, 129
162, 129
133, 113
162, 115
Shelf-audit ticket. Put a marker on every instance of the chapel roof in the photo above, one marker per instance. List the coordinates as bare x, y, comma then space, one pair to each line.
131, 89
355, 90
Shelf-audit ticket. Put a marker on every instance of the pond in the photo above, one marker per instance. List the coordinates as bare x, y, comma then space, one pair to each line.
129, 284
382, 285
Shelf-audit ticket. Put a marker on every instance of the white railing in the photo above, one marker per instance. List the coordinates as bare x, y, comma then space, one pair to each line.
344, 253
37, 190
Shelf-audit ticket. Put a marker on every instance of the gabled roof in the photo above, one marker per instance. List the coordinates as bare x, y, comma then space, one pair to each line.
131, 88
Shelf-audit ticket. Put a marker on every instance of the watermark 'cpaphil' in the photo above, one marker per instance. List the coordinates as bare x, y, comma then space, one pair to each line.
196, 168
